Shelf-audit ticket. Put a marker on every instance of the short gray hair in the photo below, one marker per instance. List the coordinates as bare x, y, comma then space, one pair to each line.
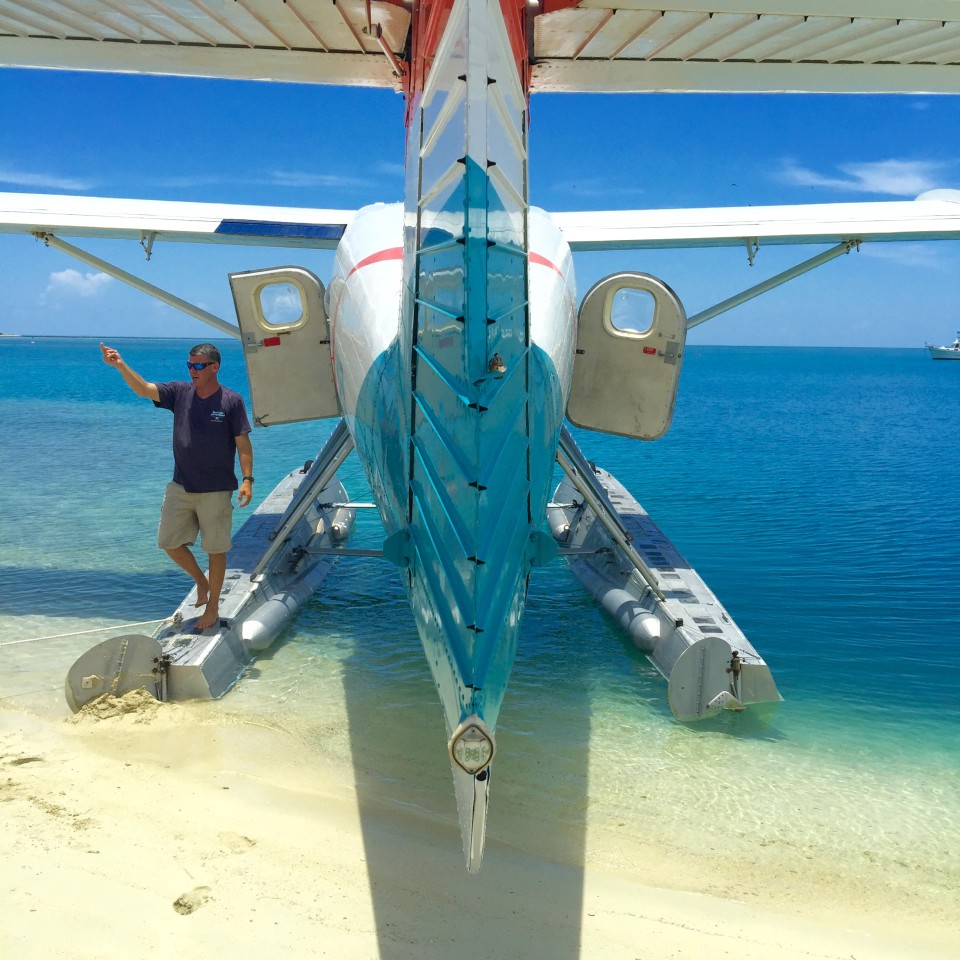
207, 350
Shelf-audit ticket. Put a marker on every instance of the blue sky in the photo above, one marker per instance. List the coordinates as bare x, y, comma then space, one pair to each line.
265, 143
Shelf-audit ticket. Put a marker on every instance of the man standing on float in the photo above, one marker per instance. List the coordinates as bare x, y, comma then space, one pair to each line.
210, 428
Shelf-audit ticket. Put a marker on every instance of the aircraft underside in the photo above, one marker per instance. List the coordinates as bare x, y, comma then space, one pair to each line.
458, 436
456, 346
475, 402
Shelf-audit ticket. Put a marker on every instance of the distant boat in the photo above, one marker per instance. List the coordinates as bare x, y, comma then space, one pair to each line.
946, 353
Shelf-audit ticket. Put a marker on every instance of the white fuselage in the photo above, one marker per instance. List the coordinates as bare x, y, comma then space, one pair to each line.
364, 308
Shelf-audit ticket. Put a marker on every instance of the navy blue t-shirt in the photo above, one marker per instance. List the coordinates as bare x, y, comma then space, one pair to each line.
204, 449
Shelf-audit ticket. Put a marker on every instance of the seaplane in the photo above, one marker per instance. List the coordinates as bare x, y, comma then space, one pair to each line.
451, 342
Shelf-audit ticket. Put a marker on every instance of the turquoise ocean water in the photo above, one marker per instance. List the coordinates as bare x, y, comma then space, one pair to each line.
817, 491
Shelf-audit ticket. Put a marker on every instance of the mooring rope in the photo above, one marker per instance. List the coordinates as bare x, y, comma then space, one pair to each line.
81, 633
30, 693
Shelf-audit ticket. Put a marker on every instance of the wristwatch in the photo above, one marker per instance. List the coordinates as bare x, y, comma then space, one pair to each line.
249, 478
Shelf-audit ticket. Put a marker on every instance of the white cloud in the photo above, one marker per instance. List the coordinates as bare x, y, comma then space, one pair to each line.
390, 169
897, 178
273, 178
200, 180
299, 178
928, 256
47, 181
72, 282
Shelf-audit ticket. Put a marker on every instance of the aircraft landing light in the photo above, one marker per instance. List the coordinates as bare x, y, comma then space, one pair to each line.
472, 746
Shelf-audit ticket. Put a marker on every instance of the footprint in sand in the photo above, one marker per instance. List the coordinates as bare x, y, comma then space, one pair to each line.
236, 842
192, 901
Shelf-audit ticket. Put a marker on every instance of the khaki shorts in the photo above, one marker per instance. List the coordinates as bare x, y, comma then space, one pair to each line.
184, 514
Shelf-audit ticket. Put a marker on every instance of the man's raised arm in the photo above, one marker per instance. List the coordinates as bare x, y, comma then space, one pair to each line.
133, 379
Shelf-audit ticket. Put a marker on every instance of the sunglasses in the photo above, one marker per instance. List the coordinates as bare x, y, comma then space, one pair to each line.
200, 366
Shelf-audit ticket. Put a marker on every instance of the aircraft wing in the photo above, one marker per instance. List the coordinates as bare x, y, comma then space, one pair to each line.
149, 220
737, 46
841, 46
932, 216
349, 42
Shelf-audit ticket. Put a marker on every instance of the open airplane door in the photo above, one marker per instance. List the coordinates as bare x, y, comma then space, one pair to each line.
631, 336
286, 344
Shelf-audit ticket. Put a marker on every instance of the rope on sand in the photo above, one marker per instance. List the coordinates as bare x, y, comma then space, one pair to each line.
30, 693
81, 633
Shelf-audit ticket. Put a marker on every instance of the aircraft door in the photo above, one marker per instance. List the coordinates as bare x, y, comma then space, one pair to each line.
631, 336
286, 344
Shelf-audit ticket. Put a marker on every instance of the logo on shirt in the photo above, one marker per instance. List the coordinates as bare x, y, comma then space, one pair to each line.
217, 416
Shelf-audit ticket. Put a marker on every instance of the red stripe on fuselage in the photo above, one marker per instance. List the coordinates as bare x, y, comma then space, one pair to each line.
544, 262
381, 256
391, 253
541, 261
396, 253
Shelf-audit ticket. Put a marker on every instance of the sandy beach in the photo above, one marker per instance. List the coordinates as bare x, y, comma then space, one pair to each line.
148, 830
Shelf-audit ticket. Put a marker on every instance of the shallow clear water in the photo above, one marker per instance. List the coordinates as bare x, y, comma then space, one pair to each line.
814, 490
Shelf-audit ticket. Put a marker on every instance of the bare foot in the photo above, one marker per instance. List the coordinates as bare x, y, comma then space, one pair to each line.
203, 594
211, 616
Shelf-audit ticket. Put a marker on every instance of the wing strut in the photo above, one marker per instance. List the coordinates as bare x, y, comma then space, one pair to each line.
318, 478
755, 291
583, 478
162, 295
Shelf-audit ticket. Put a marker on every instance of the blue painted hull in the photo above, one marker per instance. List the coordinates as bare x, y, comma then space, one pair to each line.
454, 378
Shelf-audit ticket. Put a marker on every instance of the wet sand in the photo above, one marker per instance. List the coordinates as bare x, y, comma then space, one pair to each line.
168, 830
